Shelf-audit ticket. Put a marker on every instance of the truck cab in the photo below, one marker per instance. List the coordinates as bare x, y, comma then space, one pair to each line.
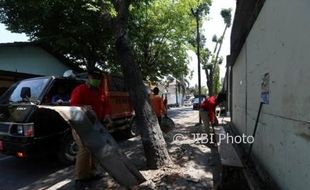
27, 131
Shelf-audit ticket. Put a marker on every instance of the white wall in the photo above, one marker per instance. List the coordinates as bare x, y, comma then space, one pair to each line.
278, 44
30, 59
239, 91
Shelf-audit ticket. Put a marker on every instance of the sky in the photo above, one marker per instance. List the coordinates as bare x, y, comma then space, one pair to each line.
213, 25
7, 36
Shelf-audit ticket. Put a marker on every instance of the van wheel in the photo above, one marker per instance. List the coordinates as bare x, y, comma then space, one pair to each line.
68, 150
134, 131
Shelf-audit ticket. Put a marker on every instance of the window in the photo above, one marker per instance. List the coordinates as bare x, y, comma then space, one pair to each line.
61, 89
36, 88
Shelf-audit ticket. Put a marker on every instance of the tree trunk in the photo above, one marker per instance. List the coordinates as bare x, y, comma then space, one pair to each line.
220, 47
216, 79
91, 64
152, 139
209, 74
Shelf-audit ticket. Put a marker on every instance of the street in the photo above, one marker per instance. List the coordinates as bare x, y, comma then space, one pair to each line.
245, 60
46, 172
16, 173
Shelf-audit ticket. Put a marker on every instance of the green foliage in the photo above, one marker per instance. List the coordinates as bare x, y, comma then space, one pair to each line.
214, 38
201, 9
211, 66
226, 14
205, 54
216, 79
160, 31
194, 90
162, 36
204, 90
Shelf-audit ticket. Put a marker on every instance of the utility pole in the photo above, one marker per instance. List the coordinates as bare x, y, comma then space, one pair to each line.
196, 15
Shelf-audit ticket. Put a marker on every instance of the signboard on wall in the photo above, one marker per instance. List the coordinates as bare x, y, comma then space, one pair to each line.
265, 89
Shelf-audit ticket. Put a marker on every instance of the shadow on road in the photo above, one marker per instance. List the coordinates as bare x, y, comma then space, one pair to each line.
18, 173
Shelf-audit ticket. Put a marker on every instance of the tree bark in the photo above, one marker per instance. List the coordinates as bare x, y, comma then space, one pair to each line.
222, 38
152, 139
210, 82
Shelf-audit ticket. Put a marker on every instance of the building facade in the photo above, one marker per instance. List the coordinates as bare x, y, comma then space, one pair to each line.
22, 60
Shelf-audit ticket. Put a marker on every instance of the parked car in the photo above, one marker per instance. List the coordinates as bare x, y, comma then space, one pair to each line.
188, 103
27, 131
196, 105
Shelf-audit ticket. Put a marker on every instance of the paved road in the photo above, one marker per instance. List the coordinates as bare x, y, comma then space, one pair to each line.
184, 115
16, 173
47, 173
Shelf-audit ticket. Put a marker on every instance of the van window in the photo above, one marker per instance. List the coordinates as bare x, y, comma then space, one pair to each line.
36, 87
60, 89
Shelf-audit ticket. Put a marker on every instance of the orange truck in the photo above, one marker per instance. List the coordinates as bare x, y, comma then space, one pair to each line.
26, 131
122, 111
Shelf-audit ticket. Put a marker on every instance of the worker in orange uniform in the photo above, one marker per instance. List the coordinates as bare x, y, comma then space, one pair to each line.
88, 94
207, 110
157, 104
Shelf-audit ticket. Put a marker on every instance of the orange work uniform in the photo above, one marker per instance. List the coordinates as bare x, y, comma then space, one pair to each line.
83, 95
158, 105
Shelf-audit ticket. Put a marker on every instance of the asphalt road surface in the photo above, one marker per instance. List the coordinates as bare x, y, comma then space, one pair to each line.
44, 172
17, 173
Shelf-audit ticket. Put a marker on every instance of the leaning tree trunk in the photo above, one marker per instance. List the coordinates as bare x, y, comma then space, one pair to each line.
209, 74
152, 139
221, 43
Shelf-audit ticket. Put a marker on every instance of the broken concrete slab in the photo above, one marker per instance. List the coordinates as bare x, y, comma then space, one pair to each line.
100, 143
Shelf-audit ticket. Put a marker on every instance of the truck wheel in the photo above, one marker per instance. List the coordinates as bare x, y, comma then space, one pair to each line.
134, 131
68, 150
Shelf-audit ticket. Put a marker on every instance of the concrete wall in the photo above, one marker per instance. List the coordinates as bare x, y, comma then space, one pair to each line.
30, 59
239, 92
278, 44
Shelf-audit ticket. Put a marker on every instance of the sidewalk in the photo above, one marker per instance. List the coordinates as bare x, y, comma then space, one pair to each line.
196, 165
